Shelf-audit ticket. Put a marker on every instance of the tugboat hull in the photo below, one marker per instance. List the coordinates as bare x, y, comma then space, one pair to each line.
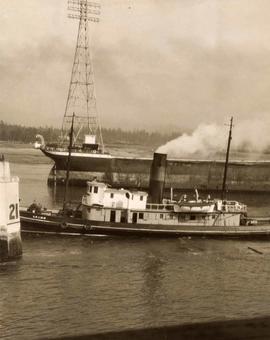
41, 224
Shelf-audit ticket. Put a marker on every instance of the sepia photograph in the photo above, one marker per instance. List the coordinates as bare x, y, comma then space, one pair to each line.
134, 169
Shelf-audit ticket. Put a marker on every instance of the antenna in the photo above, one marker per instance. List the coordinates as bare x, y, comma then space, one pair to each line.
81, 99
224, 187
68, 163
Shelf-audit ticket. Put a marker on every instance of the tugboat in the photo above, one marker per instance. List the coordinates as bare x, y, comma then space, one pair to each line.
122, 211
108, 211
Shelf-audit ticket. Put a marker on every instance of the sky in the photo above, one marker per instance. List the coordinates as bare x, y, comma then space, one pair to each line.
159, 65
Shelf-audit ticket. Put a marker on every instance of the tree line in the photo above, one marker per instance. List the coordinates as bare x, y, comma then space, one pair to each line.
24, 134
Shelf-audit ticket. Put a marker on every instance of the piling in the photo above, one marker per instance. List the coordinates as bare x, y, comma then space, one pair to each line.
54, 175
10, 229
157, 177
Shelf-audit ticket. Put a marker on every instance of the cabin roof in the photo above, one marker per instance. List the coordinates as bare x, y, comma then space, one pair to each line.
114, 190
121, 191
140, 193
95, 183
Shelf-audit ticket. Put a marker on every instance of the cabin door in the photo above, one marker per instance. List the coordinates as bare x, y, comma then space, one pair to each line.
112, 217
134, 218
123, 216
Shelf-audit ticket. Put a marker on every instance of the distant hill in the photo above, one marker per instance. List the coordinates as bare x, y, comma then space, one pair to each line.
24, 134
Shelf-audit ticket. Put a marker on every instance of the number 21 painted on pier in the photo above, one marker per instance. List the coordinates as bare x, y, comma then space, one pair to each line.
13, 211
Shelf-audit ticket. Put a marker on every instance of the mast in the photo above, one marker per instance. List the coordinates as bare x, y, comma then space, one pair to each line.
81, 99
227, 160
68, 162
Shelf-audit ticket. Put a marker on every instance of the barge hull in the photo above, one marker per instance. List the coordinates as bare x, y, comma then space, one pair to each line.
134, 173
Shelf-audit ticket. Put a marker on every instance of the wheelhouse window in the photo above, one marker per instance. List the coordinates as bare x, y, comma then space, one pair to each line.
112, 195
141, 198
141, 216
95, 190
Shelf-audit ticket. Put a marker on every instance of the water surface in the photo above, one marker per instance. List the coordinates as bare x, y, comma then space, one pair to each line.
77, 285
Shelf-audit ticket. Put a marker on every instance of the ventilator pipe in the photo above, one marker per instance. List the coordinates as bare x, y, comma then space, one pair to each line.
40, 142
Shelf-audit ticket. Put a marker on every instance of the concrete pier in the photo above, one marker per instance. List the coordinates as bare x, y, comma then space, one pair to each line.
10, 231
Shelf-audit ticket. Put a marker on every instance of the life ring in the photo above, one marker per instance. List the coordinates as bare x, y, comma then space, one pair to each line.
64, 225
87, 227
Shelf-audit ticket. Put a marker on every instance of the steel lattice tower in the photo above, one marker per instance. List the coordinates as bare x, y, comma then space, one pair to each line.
81, 99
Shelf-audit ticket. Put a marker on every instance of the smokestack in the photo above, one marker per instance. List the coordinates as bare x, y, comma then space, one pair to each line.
157, 177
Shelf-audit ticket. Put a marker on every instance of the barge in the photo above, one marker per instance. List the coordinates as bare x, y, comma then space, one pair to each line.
133, 173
